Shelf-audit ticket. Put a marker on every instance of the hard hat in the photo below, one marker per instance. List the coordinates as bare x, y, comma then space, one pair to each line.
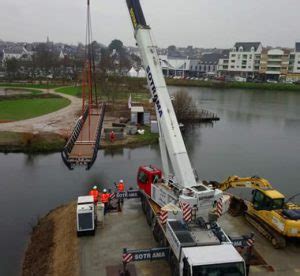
121, 181
104, 191
95, 187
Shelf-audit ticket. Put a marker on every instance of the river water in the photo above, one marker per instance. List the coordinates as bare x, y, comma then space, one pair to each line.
258, 134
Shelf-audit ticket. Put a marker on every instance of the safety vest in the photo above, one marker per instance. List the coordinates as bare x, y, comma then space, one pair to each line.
105, 198
121, 187
95, 194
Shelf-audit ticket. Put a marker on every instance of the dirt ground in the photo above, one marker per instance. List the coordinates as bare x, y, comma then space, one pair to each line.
54, 247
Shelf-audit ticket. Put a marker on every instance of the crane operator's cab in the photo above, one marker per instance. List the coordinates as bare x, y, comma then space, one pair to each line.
146, 176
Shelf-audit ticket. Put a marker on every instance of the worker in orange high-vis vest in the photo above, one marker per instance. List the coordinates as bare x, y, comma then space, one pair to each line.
121, 186
105, 196
95, 193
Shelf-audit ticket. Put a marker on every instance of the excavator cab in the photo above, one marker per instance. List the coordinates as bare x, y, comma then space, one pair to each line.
146, 176
267, 200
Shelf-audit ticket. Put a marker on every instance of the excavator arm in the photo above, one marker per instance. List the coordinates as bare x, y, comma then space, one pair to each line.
253, 182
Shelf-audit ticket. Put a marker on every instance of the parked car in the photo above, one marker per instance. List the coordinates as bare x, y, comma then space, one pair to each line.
297, 82
272, 81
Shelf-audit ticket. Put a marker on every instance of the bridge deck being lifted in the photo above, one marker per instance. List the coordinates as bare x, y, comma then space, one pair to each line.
83, 144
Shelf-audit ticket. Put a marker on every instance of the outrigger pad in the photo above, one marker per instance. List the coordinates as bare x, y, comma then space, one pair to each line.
291, 214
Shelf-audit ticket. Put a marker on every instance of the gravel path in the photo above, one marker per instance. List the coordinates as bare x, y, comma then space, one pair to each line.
61, 121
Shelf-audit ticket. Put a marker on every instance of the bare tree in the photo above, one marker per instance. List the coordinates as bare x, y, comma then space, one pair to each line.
184, 106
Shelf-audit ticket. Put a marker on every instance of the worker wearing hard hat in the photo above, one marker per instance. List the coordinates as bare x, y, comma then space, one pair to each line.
95, 193
105, 196
121, 186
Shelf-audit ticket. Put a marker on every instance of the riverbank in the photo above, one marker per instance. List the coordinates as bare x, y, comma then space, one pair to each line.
233, 85
48, 142
53, 247
28, 142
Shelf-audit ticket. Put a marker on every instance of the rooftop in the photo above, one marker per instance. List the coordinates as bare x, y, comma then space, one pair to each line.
247, 45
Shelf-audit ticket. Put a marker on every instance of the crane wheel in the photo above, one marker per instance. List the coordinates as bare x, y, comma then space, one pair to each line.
158, 234
143, 204
174, 266
149, 215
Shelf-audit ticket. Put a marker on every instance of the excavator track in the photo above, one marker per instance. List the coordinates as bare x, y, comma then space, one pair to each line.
277, 240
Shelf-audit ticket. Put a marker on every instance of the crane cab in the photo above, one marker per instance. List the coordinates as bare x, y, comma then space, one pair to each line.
146, 176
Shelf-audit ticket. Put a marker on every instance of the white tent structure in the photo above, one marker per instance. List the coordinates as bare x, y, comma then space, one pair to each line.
141, 73
132, 73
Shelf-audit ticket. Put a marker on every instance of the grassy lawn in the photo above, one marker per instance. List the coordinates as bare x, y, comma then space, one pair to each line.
20, 109
70, 90
28, 85
148, 137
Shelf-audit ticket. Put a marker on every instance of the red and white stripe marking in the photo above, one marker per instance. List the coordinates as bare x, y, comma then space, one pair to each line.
163, 216
187, 211
113, 196
127, 258
250, 242
219, 207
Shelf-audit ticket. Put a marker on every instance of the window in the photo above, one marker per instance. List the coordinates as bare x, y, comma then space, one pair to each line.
244, 56
142, 177
277, 204
263, 202
244, 67
230, 269
233, 61
233, 55
232, 66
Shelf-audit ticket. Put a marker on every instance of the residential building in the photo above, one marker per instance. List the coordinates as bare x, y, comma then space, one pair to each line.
274, 63
294, 64
207, 64
223, 63
17, 52
244, 59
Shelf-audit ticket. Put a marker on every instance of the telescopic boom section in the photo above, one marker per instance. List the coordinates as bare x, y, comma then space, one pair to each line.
164, 109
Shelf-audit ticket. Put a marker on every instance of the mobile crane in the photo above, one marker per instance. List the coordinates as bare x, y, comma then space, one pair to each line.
203, 246
268, 212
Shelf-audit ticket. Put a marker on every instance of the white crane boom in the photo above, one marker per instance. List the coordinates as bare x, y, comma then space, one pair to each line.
168, 125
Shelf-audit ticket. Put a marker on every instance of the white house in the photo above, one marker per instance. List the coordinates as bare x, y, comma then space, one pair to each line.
244, 58
17, 52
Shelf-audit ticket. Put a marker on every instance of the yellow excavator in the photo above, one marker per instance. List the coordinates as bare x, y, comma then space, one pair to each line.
269, 212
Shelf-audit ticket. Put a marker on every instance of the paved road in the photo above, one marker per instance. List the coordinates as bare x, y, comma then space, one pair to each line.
128, 229
61, 121
284, 261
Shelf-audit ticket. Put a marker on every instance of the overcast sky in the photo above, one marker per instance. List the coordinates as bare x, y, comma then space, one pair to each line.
201, 23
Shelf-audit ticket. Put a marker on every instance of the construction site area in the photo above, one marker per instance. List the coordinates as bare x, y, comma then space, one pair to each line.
161, 209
